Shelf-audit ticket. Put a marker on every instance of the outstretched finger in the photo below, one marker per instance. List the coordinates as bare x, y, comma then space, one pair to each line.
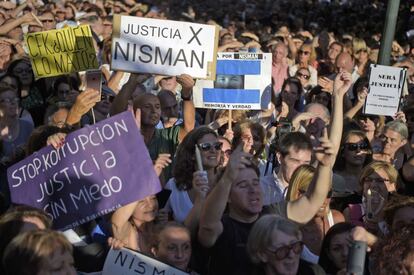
138, 118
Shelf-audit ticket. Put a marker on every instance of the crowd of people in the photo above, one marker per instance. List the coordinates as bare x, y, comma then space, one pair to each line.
292, 189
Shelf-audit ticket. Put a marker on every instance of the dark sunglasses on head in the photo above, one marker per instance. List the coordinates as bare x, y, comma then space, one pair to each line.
305, 76
206, 146
282, 252
356, 146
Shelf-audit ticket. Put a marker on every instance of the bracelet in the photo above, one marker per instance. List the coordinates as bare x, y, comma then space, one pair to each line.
187, 98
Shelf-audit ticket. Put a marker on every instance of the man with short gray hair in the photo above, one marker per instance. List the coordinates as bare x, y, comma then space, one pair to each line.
394, 137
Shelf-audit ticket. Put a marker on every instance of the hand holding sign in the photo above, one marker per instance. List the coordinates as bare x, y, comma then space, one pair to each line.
362, 95
56, 140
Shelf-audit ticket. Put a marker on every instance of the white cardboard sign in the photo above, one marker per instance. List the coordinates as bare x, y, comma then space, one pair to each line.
129, 262
243, 81
384, 91
165, 47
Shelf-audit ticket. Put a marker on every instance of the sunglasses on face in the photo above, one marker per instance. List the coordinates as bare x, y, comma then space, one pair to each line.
14, 101
356, 146
108, 98
206, 146
304, 52
48, 21
305, 76
282, 252
19, 71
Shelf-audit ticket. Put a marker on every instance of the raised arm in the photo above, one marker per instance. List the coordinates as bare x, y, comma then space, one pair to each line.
187, 83
359, 104
210, 220
84, 102
342, 83
120, 102
319, 187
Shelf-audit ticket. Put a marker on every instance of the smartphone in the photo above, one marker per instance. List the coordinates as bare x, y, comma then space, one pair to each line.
94, 81
162, 198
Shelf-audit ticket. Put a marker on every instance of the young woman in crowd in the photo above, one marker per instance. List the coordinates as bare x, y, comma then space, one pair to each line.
190, 186
354, 154
289, 98
378, 181
31, 96
315, 230
335, 248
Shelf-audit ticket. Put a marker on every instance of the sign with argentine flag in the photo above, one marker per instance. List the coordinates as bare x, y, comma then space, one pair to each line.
243, 81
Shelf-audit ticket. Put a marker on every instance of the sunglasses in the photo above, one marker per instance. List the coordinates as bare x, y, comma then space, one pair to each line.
108, 98
356, 146
10, 101
304, 52
228, 152
20, 71
48, 21
282, 252
207, 146
305, 76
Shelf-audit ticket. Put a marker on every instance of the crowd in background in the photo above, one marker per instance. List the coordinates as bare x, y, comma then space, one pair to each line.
290, 189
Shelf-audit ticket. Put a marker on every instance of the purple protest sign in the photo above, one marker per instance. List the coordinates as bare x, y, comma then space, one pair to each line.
98, 169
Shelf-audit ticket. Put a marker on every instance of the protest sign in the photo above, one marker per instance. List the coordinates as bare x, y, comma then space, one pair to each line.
146, 45
63, 51
126, 261
98, 169
384, 91
243, 81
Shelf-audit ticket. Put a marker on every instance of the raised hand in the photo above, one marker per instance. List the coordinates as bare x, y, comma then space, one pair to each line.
326, 84
84, 102
238, 160
161, 162
400, 116
137, 117
342, 83
362, 95
187, 82
325, 153
200, 183
57, 140
302, 117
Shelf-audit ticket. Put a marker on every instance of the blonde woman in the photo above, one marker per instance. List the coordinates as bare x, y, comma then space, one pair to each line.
315, 230
378, 180
361, 55
274, 245
306, 58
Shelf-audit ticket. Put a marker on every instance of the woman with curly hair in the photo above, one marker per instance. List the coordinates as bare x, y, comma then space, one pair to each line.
189, 187
395, 255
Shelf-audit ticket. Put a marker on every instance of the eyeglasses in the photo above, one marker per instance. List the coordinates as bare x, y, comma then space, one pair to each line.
304, 52
207, 146
9, 101
48, 21
376, 180
228, 152
108, 98
20, 71
356, 146
305, 76
282, 252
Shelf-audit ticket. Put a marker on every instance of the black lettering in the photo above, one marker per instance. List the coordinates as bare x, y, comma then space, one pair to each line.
118, 46
145, 53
